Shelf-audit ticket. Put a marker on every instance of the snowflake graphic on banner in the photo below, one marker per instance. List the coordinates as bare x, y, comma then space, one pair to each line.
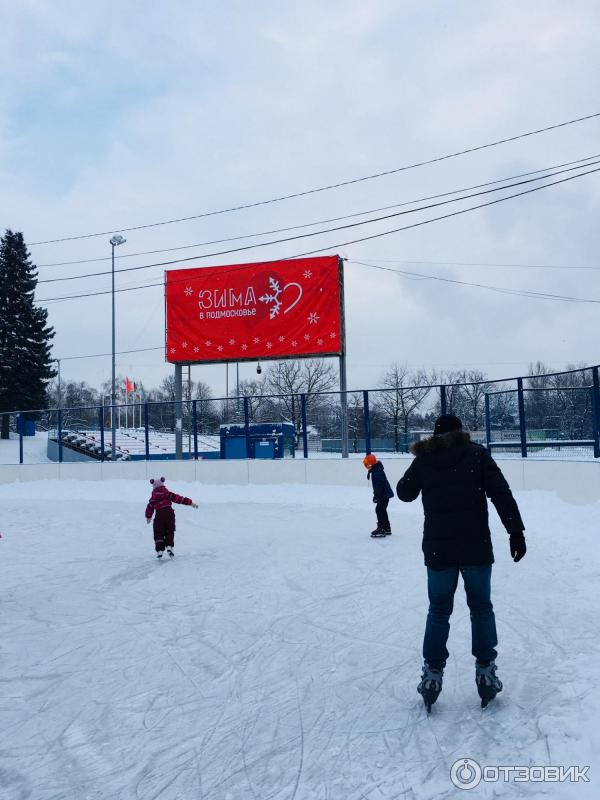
307, 273
188, 291
313, 318
273, 298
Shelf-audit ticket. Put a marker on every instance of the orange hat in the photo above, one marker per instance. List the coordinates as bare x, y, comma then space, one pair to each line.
369, 460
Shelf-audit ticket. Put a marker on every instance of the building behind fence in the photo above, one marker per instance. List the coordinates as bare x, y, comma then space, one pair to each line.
551, 415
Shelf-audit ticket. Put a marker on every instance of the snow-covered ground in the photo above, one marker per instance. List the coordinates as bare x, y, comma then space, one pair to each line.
35, 449
276, 658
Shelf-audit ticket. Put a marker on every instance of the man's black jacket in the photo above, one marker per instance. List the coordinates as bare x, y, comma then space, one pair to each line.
454, 476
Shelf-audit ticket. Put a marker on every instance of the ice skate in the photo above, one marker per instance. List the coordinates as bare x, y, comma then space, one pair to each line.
430, 686
378, 533
170, 552
488, 685
159, 553
387, 529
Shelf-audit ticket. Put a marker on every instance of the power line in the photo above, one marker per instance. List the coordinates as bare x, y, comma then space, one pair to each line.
320, 232
479, 264
500, 289
578, 162
445, 216
102, 355
344, 244
327, 187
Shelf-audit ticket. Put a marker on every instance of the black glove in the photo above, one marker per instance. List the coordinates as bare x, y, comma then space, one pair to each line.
518, 548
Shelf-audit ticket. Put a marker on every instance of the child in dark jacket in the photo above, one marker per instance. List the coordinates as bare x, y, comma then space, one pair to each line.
382, 492
164, 519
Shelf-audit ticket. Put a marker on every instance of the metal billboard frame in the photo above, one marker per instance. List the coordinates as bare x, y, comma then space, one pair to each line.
178, 366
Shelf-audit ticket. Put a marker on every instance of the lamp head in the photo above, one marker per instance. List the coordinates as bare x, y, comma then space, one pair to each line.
117, 240
258, 368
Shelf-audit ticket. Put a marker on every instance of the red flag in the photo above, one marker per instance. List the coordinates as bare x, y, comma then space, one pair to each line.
128, 385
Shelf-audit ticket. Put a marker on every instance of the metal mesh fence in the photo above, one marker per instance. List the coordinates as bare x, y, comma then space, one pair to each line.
503, 430
401, 416
324, 425
541, 416
559, 422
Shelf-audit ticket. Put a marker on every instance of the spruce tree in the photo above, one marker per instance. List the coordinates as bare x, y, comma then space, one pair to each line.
25, 362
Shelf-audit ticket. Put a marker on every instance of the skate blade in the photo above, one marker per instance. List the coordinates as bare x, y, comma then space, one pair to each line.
428, 700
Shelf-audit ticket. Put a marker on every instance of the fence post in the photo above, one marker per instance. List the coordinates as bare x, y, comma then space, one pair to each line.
101, 421
367, 415
146, 432
247, 426
488, 426
304, 430
20, 445
522, 425
443, 404
60, 449
195, 427
596, 411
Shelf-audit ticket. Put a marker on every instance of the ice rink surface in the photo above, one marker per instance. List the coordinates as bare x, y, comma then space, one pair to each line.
277, 657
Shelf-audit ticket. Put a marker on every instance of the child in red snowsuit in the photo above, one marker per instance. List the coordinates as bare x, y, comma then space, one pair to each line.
164, 520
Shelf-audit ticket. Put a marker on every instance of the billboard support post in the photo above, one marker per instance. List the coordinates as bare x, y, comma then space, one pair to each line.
226, 392
344, 406
343, 380
178, 411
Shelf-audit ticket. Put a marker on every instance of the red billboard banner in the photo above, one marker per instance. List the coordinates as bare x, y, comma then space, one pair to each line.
246, 312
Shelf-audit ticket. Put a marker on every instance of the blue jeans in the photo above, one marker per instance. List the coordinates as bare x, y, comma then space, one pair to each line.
441, 585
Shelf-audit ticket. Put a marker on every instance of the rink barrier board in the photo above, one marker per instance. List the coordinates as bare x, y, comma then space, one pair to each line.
573, 481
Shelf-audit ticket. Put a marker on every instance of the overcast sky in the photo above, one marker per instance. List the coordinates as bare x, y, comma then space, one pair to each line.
114, 115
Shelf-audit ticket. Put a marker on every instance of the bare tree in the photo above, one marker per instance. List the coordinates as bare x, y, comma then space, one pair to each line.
294, 377
356, 419
403, 391
473, 398
254, 390
465, 395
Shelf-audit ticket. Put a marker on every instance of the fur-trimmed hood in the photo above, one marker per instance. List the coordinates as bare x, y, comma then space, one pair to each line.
441, 442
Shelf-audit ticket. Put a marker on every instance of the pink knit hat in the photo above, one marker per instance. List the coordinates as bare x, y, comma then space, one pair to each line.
157, 481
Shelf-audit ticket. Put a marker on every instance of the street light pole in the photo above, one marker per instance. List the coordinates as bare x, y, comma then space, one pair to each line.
59, 387
115, 241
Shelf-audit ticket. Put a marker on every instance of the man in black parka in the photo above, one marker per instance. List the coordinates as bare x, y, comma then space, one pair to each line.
454, 477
